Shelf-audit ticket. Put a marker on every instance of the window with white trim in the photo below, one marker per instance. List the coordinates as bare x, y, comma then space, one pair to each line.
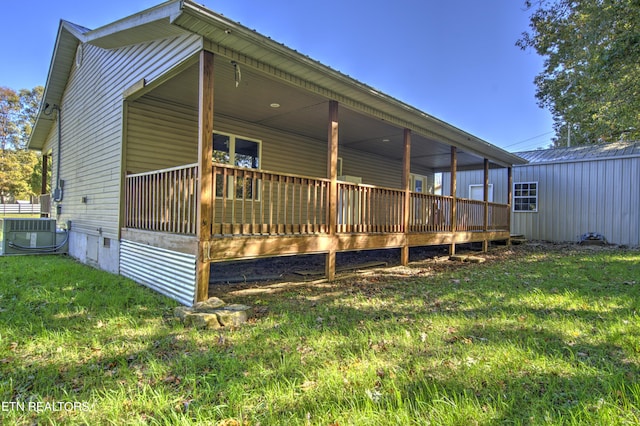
419, 183
525, 197
238, 151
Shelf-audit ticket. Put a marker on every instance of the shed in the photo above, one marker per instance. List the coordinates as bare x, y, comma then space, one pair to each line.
563, 193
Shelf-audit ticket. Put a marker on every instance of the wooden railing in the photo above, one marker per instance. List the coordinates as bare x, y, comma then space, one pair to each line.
162, 200
430, 213
469, 215
369, 209
250, 202
499, 216
255, 202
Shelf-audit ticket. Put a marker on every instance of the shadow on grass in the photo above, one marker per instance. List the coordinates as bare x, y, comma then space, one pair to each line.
435, 348
555, 374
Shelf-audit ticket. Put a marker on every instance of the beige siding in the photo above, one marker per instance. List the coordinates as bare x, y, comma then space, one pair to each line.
287, 153
160, 136
92, 118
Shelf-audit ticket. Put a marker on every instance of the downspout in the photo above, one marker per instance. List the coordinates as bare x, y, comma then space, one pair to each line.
58, 193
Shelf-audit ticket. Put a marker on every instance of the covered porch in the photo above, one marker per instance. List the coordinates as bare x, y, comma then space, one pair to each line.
331, 172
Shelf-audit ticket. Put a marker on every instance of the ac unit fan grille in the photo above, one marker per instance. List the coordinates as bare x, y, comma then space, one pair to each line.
28, 225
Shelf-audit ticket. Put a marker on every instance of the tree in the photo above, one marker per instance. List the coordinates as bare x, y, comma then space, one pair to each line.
591, 76
9, 109
19, 168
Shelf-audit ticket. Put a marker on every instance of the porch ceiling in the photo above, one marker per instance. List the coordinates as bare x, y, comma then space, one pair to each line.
305, 114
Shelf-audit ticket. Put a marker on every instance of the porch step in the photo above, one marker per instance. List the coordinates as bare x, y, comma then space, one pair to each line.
467, 258
517, 239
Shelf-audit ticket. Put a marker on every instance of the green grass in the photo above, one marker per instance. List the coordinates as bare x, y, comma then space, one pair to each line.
535, 337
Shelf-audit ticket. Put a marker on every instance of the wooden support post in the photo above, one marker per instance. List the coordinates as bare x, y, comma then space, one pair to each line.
454, 201
485, 242
45, 172
205, 177
43, 184
406, 184
332, 174
509, 198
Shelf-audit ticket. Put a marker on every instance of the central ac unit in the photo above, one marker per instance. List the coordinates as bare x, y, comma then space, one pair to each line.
31, 236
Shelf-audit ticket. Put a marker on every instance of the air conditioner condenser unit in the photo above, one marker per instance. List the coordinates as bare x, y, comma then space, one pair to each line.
31, 236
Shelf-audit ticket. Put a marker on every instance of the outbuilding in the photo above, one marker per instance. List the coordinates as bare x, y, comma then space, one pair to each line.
568, 194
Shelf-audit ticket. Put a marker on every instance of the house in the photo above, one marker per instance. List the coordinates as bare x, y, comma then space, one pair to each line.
562, 194
178, 138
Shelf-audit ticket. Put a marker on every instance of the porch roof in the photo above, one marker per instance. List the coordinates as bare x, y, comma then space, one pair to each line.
374, 117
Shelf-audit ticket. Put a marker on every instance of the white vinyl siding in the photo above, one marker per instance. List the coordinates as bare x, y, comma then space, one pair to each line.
92, 119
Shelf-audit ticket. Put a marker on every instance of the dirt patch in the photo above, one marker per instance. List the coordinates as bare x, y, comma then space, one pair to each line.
278, 274
301, 267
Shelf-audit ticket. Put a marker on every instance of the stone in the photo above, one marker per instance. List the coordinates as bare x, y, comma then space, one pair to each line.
181, 312
209, 305
458, 257
233, 315
202, 320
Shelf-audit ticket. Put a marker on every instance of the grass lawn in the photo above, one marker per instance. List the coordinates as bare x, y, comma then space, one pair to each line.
533, 336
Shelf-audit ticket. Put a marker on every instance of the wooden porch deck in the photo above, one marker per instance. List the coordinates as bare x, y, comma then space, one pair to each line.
258, 213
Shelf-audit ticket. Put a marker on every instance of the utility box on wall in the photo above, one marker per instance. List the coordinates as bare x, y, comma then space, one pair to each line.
31, 236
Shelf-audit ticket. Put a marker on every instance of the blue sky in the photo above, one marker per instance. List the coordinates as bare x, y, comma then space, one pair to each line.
454, 59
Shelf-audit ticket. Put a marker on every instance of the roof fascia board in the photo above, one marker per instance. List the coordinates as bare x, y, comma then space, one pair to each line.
166, 10
399, 113
68, 37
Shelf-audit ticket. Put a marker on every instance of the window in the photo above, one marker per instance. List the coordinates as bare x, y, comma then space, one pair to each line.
476, 192
244, 152
437, 184
525, 197
240, 152
419, 183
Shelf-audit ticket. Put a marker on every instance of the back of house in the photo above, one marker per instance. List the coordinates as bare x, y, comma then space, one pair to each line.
178, 138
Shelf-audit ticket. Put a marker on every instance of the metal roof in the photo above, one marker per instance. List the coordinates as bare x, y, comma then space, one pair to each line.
583, 153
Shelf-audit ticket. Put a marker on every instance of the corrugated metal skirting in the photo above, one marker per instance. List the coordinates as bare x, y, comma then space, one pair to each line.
168, 272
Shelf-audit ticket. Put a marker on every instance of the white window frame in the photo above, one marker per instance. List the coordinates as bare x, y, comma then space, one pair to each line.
414, 177
481, 185
515, 197
231, 187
